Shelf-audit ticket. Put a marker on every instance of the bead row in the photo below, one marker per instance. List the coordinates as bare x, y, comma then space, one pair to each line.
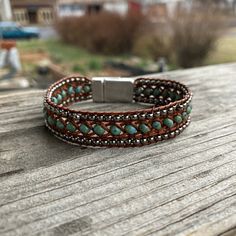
125, 142
74, 126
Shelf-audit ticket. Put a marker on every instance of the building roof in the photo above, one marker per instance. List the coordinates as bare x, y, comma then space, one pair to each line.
32, 2
150, 2
87, 1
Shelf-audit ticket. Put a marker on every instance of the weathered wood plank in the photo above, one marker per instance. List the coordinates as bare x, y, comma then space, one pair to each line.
186, 186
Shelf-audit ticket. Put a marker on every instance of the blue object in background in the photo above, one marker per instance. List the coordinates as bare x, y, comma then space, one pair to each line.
11, 30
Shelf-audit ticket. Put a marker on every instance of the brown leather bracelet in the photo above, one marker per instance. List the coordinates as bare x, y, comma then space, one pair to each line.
168, 116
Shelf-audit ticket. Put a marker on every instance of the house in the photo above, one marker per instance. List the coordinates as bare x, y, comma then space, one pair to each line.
44, 11
82, 7
5, 10
33, 11
156, 8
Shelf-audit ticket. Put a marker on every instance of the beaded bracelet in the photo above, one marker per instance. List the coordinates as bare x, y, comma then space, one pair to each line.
167, 117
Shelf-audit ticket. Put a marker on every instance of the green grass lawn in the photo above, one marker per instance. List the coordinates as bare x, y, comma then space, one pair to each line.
224, 52
71, 58
56, 48
75, 59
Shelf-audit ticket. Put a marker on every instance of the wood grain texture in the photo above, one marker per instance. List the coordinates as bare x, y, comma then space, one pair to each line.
185, 186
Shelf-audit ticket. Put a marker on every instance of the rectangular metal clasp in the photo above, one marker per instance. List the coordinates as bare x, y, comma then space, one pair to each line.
112, 89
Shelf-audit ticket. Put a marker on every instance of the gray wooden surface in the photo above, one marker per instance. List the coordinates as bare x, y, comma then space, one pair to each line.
186, 186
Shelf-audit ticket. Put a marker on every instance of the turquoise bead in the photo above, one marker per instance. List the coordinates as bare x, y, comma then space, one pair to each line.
51, 121
165, 93
84, 129
130, 129
189, 109
156, 125
98, 130
86, 88
172, 95
54, 100
59, 97
177, 97
63, 93
148, 91
168, 122
184, 115
138, 91
156, 92
178, 119
144, 128
115, 130
71, 90
59, 124
70, 127
78, 89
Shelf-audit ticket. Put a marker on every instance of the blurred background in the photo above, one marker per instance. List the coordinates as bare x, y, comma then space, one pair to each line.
41, 41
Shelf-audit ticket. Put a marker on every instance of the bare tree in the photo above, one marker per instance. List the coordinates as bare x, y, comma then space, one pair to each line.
222, 4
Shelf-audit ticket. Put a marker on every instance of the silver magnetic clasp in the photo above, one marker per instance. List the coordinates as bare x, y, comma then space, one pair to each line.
112, 89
